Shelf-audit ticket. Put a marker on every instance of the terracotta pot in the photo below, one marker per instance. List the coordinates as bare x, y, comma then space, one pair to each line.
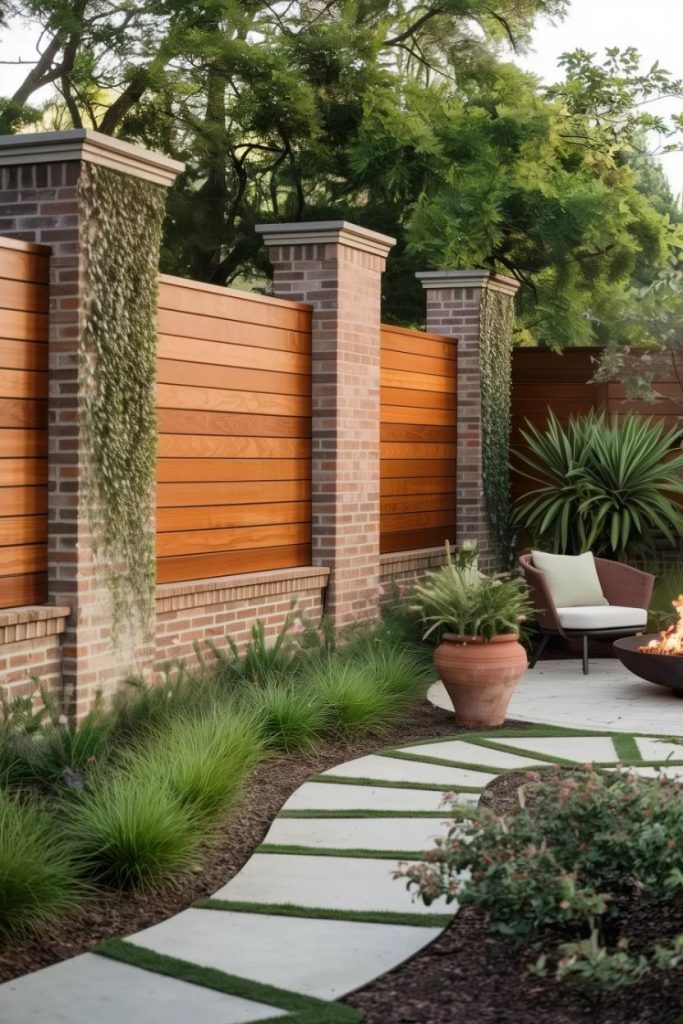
480, 675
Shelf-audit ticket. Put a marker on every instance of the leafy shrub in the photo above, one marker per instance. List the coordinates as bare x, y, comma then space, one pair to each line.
602, 487
141, 708
130, 831
291, 717
38, 878
457, 598
203, 761
560, 867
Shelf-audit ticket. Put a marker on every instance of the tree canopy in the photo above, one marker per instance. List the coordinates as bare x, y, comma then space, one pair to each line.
406, 117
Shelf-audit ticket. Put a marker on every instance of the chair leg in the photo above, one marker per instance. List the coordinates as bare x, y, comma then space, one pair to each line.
539, 650
585, 654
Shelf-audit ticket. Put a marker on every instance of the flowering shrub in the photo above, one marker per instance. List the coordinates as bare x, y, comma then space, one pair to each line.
557, 868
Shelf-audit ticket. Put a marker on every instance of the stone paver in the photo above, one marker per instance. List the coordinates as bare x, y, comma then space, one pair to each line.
316, 957
573, 748
392, 769
92, 989
469, 753
356, 833
321, 796
659, 750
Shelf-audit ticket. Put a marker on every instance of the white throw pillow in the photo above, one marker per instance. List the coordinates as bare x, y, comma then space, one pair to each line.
572, 579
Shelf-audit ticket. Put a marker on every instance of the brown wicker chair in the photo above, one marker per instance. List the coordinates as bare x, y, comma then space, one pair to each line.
627, 590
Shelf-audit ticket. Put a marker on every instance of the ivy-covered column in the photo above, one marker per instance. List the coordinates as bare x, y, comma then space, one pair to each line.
99, 204
476, 307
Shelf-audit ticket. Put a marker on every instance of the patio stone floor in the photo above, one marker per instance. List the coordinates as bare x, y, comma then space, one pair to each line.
315, 913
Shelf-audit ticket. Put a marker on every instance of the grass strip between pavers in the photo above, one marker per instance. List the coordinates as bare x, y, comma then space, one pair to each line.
328, 914
457, 811
221, 981
329, 851
357, 780
487, 744
444, 762
627, 749
513, 732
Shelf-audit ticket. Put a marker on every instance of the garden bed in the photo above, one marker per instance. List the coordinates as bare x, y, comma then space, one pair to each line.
120, 914
470, 976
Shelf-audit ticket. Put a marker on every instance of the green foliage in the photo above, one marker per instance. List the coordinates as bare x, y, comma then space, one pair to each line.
130, 831
560, 867
38, 877
202, 761
118, 366
262, 659
291, 717
605, 487
357, 695
458, 599
497, 315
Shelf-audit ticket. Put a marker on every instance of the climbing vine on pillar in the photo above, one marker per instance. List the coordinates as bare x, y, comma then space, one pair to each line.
497, 320
121, 239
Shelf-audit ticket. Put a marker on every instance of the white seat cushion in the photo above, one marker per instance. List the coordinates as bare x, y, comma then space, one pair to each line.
612, 616
573, 580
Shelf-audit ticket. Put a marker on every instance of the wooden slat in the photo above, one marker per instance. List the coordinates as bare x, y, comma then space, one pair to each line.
23, 355
411, 450
23, 324
245, 538
413, 539
417, 503
197, 567
25, 295
22, 444
175, 371
181, 421
18, 591
205, 446
22, 529
177, 293
23, 264
401, 339
208, 328
22, 412
402, 522
241, 493
23, 501
418, 432
411, 381
22, 384
228, 353
22, 472
422, 399
205, 470
404, 414
418, 363
172, 396
417, 468
418, 485
22, 559
217, 517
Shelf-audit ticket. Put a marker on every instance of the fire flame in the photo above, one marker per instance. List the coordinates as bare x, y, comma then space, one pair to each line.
670, 640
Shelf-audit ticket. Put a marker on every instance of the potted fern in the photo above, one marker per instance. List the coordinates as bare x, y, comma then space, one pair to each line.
477, 619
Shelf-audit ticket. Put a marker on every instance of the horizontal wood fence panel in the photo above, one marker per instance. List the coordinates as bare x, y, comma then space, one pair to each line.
24, 297
217, 517
228, 563
418, 439
234, 414
217, 353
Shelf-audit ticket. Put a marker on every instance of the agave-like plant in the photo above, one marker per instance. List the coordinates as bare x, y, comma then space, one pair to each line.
607, 487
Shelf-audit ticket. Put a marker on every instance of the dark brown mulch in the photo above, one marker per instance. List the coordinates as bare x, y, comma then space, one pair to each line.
469, 976
120, 914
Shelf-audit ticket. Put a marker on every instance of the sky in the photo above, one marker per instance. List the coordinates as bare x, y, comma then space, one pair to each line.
655, 27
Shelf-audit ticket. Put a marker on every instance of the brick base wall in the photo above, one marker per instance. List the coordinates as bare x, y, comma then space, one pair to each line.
189, 613
406, 567
30, 649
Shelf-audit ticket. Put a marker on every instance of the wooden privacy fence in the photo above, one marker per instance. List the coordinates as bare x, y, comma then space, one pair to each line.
234, 411
543, 380
23, 423
418, 439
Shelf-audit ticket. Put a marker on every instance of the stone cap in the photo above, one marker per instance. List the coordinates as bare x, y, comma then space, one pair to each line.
336, 232
484, 279
82, 144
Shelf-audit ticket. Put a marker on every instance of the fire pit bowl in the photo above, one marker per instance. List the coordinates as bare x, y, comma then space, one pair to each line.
662, 669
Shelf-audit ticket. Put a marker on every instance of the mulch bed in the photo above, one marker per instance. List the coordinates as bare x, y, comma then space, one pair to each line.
469, 976
120, 914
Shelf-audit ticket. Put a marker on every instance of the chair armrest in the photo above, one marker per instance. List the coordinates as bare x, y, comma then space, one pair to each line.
624, 585
544, 606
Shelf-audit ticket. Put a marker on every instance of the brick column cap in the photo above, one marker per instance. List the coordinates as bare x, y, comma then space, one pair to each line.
336, 232
484, 279
85, 145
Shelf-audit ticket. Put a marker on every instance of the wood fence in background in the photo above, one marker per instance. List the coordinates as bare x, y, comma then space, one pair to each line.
234, 411
23, 423
418, 439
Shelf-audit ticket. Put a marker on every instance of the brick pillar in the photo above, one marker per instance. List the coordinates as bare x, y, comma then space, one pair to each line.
337, 267
40, 193
454, 308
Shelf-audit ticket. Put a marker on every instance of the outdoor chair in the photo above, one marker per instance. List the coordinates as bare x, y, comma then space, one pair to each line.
626, 592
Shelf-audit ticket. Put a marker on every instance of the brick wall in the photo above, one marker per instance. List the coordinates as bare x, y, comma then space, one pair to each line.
30, 649
402, 568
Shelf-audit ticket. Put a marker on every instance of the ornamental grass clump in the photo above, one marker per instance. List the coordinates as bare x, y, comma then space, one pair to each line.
355, 695
39, 877
291, 716
556, 873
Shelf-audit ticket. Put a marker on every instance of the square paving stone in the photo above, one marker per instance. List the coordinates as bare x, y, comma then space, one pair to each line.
92, 989
392, 769
322, 796
336, 883
659, 750
318, 958
414, 834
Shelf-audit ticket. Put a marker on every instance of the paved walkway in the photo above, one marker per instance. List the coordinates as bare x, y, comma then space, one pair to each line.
316, 913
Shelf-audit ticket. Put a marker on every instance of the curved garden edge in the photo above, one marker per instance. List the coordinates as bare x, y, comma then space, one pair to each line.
349, 820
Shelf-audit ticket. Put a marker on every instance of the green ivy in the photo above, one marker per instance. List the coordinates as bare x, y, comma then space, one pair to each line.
122, 234
497, 315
